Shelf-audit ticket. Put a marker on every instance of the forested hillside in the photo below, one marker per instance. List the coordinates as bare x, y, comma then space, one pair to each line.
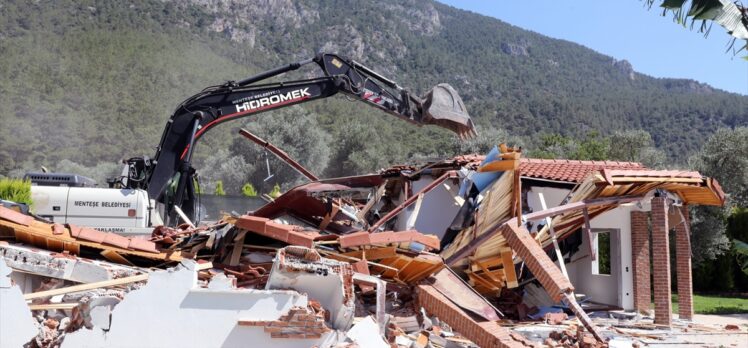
87, 83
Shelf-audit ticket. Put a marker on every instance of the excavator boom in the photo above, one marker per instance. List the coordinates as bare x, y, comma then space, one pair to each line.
169, 175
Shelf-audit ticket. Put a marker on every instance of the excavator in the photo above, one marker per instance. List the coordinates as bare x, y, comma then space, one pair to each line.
167, 180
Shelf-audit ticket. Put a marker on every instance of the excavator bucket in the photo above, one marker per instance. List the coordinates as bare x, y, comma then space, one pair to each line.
443, 107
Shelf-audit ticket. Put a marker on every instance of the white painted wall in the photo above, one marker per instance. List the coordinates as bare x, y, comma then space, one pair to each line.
553, 198
17, 326
438, 209
172, 311
615, 289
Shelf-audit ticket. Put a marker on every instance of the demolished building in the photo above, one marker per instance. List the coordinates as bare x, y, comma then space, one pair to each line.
447, 253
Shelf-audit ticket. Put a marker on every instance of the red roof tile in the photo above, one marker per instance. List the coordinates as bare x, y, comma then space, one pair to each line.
569, 170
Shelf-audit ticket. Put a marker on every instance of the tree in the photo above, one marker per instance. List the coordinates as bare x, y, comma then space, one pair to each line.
724, 157
741, 251
360, 149
731, 15
554, 146
487, 138
221, 165
593, 147
635, 146
295, 131
100, 172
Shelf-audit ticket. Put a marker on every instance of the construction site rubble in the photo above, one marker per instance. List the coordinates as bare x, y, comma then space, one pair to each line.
471, 251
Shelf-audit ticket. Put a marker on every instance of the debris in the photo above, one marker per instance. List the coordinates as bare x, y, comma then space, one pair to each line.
454, 253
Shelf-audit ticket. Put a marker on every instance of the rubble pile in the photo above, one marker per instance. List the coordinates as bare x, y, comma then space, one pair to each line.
453, 253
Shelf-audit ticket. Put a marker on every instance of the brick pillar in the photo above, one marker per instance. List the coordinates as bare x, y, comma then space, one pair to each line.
640, 257
484, 334
661, 261
683, 266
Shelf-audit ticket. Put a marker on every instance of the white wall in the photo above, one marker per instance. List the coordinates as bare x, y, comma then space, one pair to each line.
438, 209
17, 326
617, 288
172, 311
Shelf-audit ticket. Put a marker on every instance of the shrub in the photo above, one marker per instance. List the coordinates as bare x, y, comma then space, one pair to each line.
248, 190
16, 190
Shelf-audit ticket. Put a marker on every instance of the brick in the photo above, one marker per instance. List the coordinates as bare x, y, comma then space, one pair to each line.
253, 323
537, 261
354, 239
277, 231
272, 330
661, 262
116, 240
640, 258
74, 230
683, 265
91, 235
142, 245
484, 334
252, 223
15, 217
301, 239
58, 229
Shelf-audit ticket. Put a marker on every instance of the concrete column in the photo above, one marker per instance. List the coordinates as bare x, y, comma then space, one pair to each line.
661, 261
683, 266
640, 258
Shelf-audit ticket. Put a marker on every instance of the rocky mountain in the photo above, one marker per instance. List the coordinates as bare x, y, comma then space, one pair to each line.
94, 80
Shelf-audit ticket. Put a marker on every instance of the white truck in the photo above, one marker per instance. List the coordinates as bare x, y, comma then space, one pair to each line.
69, 198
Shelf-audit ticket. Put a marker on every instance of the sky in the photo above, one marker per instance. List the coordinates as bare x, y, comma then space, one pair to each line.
626, 29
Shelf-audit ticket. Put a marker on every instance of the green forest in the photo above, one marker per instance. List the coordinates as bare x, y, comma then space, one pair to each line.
88, 83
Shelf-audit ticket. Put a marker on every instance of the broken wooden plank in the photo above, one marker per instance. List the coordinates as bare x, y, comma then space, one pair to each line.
509, 272
236, 252
53, 306
116, 257
89, 286
373, 253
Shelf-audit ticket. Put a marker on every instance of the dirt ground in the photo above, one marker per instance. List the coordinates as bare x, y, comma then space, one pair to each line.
699, 338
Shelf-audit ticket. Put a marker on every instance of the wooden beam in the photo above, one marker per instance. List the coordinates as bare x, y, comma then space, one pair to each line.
509, 272
49, 306
487, 272
373, 253
496, 228
335, 255
328, 217
115, 257
588, 233
580, 205
552, 231
236, 253
88, 286
414, 214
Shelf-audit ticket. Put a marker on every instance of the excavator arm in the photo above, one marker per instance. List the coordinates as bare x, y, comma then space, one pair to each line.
168, 178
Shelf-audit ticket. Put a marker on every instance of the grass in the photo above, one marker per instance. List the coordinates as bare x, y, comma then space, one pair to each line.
715, 304
16, 190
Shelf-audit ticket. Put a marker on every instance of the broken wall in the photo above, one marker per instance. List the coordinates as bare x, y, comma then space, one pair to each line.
17, 326
436, 212
614, 289
171, 310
